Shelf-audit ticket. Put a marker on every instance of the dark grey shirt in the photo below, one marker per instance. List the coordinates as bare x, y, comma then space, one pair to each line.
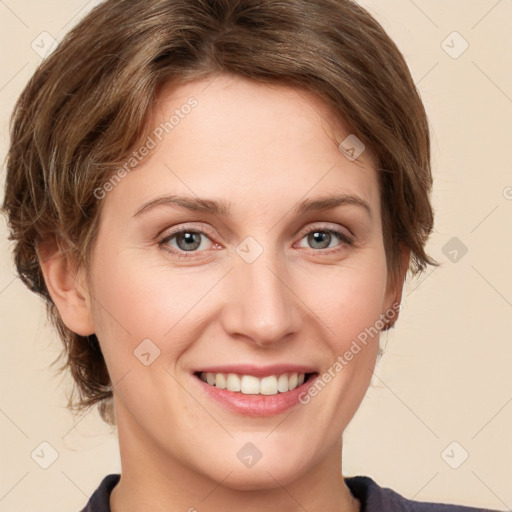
373, 498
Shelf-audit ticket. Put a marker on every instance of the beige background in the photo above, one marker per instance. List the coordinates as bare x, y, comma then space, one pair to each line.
445, 376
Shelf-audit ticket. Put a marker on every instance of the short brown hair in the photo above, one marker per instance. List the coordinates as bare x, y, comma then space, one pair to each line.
87, 106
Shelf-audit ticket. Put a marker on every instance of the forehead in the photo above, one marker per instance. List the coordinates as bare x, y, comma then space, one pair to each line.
259, 140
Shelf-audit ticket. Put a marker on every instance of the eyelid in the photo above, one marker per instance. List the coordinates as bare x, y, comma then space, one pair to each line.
165, 236
202, 228
326, 226
345, 236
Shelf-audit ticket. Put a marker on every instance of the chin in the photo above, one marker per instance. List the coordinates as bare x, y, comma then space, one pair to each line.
261, 478
276, 469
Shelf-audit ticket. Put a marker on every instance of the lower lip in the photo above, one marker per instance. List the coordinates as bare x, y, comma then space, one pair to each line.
257, 405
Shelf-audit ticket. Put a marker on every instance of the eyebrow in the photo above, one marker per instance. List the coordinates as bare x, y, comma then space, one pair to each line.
221, 208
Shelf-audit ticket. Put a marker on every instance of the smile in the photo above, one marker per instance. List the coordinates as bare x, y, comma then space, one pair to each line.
252, 385
246, 394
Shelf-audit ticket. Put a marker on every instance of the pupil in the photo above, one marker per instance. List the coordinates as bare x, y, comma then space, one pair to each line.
321, 237
189, 239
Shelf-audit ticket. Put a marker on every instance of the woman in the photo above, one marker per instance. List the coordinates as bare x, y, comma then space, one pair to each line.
219, 201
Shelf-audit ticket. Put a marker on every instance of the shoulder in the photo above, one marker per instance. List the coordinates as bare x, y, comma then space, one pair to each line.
374, 498
100, 500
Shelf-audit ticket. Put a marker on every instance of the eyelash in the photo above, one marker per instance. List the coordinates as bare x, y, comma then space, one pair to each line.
340, 235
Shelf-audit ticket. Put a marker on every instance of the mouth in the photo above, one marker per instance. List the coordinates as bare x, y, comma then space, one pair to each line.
252, 385
267, 394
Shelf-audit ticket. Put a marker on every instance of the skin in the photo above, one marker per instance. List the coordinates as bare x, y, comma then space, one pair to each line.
264, 149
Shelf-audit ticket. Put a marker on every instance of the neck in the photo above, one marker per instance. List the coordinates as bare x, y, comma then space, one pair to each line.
152, 480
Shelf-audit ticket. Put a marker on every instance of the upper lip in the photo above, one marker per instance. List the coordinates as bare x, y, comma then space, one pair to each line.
258, 371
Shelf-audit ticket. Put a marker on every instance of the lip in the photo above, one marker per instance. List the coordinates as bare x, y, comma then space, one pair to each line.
257, 371
255, 405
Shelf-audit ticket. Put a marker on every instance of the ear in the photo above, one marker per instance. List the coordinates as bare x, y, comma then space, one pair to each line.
395, 288
67, 287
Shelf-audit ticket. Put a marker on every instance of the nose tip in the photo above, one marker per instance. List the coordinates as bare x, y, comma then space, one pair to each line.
262, 307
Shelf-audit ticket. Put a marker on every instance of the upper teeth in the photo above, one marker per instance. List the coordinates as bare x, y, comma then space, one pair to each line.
251, 385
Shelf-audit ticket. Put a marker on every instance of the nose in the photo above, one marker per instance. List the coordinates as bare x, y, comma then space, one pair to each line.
261, 308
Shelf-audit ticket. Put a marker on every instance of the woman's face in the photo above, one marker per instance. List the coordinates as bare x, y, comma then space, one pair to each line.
268, 290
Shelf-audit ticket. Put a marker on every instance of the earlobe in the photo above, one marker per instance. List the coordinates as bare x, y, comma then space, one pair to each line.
65, 286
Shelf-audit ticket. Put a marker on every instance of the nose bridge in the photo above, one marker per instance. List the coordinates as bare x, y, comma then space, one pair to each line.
262, 307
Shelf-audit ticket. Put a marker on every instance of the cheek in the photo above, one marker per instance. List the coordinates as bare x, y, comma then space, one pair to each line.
135, 299
349, 298
350, 306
